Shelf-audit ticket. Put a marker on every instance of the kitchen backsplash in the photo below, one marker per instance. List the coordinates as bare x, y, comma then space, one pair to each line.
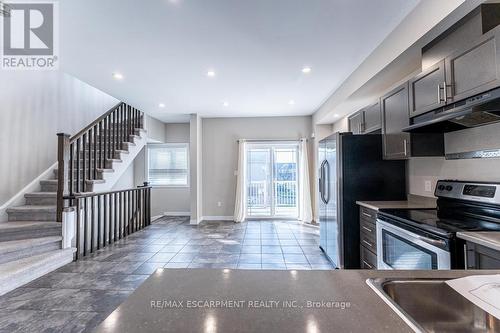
422, 170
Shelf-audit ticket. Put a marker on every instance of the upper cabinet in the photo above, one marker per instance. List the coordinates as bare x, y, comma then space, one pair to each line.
373, 120
366, 121
399, 145
356, 122
394, 107
469, 65
474, 68
426, 89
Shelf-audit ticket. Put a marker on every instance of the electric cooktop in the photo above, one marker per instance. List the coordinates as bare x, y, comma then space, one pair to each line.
429, 219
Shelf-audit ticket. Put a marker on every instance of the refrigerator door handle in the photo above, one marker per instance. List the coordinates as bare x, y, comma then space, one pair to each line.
322, 181
326, 183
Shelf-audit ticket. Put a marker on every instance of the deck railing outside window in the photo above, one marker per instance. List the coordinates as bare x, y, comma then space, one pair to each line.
285, 193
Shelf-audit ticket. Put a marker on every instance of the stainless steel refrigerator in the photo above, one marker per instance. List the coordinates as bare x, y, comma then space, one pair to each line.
352, 169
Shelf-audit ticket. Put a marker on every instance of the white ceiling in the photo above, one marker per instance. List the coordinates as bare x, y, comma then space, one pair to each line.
257, 48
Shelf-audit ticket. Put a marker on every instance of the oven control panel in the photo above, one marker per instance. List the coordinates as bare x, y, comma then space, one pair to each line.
482, 192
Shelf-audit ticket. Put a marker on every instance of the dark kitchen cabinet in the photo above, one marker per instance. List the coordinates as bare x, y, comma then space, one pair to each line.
356, 122
373, 121
474, 68
427, 90
394, 109
481, 257
368, 238
366, 120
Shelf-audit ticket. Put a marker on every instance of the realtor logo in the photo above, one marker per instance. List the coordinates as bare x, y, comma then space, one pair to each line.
30, 36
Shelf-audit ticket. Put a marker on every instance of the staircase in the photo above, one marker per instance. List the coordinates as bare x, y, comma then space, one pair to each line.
31, 240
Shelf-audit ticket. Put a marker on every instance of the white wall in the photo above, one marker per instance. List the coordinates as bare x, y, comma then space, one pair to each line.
35, 106
220, 153
127, 180
341, 126
155, 129
423, 169
170, 200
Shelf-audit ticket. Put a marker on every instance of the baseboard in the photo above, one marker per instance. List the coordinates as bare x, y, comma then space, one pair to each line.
217, 218
154, 218
177, 214
18, 198
194, 222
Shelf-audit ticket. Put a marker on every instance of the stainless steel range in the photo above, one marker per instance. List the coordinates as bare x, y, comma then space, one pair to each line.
426, 238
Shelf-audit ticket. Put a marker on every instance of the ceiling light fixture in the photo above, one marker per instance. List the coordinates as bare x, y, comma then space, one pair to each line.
336, 115
117, 76
211, 73
161, 105
226, 104
291, 102
306, 70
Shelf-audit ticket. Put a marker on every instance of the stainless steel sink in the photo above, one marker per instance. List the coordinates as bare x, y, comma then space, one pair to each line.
429, 305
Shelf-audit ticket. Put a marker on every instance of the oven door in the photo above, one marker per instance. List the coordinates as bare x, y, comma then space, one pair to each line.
398, 248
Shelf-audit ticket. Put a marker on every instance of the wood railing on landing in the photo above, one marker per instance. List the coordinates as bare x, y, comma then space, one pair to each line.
104, 218
82, 157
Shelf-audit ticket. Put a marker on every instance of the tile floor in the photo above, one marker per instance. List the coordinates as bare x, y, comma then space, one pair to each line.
78, 296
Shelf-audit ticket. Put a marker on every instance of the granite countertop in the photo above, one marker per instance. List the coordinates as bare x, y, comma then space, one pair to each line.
174, 300
489, 239
413, 202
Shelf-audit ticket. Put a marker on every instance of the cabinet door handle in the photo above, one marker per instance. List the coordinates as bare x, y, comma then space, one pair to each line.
367, 215
367, 229
367, 264
439, 94
370, 245
405, 143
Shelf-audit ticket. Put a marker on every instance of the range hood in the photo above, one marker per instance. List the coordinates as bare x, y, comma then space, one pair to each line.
482, 109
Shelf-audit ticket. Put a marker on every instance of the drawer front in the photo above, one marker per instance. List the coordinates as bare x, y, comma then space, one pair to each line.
368, 259
368, 242
368, 228
368, 214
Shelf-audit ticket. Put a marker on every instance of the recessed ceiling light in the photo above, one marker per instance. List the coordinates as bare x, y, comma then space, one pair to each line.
161, 105
306, 70
226, 104
117, 76
336, 115
291, 102
211, 73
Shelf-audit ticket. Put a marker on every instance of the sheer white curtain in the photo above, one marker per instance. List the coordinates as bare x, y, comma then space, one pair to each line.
240, 205
305, 206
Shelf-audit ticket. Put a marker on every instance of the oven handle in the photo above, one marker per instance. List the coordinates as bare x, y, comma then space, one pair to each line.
435, 242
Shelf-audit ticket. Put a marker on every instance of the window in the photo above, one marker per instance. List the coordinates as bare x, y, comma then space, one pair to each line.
168, 164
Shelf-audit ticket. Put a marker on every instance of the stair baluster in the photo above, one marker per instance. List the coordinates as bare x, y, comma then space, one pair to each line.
88, 153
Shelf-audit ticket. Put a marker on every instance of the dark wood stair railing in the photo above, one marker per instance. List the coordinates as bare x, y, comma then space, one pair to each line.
83, 156
106, 217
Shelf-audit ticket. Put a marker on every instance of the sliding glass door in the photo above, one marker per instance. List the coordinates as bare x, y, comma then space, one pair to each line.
272, 180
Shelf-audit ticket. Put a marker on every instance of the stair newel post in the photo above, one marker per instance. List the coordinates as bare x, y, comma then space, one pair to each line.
148, 205
63, 152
